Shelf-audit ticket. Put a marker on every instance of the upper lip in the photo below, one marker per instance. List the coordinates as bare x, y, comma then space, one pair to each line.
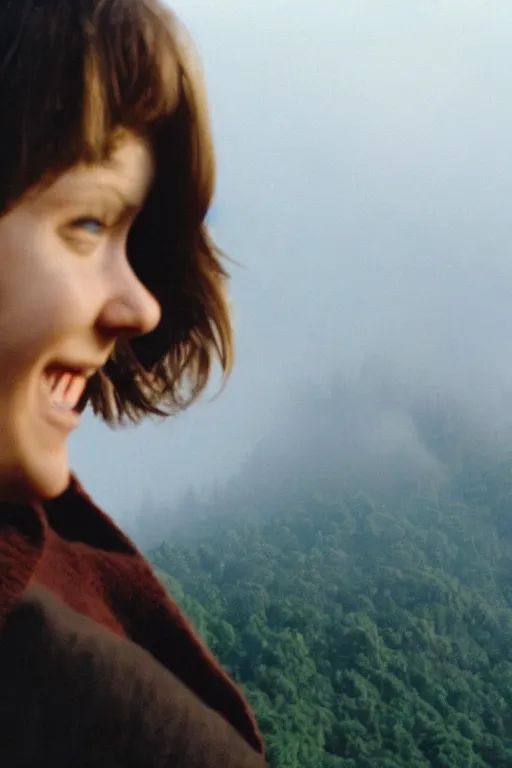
85, 369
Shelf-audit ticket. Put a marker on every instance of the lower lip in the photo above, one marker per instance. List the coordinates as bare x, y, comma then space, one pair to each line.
63, 419
66, 420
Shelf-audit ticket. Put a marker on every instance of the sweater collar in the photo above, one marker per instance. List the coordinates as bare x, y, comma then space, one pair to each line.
23, 533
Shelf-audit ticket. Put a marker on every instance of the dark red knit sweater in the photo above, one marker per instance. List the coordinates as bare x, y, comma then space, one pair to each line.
72, 550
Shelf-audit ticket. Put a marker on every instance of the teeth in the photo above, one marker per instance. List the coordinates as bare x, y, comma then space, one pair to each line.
61, 386
75, 390
51, 378
66, 389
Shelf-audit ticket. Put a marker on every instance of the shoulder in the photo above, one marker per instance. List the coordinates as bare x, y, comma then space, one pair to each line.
71, 688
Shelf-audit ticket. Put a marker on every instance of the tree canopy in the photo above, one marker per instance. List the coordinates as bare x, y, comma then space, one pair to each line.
367, 629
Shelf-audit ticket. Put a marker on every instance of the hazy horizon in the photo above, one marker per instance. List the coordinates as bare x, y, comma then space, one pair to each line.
365, 183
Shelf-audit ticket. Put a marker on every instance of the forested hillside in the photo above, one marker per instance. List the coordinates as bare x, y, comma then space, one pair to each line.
372, 625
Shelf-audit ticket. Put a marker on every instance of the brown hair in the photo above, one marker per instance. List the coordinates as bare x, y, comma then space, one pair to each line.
74, 72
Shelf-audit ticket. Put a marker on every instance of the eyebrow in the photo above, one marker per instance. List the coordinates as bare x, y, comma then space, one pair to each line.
111, 189
88, 192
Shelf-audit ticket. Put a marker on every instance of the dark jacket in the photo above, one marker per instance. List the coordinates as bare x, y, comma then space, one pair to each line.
98, 666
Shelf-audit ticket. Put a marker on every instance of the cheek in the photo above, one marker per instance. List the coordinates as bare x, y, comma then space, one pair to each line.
39, 308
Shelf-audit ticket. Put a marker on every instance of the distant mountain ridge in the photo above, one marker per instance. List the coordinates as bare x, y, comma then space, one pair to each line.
369, 620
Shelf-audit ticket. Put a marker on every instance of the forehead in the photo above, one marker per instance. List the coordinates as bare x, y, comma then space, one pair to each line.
129, 170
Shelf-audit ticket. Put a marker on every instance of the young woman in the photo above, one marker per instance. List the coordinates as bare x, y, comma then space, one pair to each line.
112, 294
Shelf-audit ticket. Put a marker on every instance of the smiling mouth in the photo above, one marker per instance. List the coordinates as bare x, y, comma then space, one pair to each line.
66, 389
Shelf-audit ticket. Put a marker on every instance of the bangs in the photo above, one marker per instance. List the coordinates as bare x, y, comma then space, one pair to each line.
73, 75
80, 71
132, 73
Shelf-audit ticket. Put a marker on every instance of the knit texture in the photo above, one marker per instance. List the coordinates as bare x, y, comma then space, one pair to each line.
75, 551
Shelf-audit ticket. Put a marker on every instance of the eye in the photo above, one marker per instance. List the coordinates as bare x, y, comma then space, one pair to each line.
89, 224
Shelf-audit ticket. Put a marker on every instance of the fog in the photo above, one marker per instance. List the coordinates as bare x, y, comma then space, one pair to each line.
365, 183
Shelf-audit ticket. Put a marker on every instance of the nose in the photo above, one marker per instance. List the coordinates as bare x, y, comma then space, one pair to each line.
130, 309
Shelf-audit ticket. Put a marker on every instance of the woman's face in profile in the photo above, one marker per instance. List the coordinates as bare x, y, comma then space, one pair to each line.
67, 293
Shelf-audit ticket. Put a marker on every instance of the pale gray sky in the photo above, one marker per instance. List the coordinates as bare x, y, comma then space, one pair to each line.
365, 180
